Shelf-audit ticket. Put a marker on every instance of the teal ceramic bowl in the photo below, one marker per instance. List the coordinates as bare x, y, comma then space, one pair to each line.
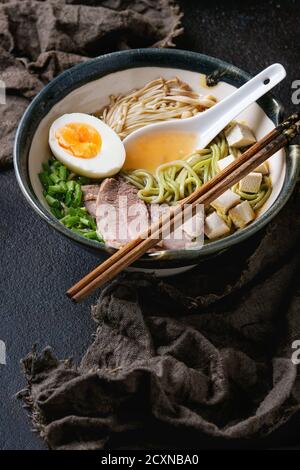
86, 88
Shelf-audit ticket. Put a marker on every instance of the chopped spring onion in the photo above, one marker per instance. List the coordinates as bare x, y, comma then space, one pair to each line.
62, 191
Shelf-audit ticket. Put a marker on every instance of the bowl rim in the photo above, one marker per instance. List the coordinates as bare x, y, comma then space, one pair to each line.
101, 66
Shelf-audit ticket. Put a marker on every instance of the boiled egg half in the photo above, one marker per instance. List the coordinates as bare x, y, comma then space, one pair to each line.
86, 145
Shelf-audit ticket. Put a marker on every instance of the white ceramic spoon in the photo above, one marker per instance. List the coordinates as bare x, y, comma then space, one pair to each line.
208, 124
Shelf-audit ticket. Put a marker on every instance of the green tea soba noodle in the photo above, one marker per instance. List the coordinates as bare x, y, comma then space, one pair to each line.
175, 180
178, 179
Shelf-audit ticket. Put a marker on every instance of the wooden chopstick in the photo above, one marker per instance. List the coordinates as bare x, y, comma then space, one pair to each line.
258, 153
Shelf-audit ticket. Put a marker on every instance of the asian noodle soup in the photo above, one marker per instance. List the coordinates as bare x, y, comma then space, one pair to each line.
158, 171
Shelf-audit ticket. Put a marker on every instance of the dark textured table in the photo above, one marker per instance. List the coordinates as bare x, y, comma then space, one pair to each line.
37, 264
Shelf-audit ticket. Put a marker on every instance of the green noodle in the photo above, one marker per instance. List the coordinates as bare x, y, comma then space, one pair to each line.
177, 179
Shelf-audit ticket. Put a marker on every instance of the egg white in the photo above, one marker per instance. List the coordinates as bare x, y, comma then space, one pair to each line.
107, 162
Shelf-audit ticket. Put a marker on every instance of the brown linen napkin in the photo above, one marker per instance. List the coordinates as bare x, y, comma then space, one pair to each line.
39, 39
197, 360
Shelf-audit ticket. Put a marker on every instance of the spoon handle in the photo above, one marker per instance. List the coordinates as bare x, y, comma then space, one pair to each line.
220, 115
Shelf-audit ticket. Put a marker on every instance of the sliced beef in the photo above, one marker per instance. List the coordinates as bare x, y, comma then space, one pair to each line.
121, 216
90, 194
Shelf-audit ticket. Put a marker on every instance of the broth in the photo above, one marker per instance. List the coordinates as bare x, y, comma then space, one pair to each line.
163, 147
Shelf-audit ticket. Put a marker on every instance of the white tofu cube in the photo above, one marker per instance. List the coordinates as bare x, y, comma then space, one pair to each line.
194, 226
215, 226
239, 135
224, 162
251, 183
263, 168
242, 214
227, 200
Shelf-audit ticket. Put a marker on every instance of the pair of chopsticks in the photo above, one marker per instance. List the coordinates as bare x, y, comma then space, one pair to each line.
129, 253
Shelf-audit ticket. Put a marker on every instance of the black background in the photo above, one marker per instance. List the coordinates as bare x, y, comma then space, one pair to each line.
38, 265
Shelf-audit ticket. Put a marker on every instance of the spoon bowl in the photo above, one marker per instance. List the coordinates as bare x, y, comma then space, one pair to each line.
207, 125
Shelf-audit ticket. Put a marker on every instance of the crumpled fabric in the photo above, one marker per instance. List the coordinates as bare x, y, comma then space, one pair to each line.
39, 39
199, 360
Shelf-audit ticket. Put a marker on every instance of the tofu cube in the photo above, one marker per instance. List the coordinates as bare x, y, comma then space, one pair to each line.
251, 183
194, 226
242, 214
224, 162
263, 168
215, 226
240, 135
227, 200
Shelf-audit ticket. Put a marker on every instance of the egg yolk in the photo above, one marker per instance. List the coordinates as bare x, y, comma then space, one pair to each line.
79, 139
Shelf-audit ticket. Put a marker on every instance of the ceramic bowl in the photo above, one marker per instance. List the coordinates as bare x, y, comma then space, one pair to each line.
86, 88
